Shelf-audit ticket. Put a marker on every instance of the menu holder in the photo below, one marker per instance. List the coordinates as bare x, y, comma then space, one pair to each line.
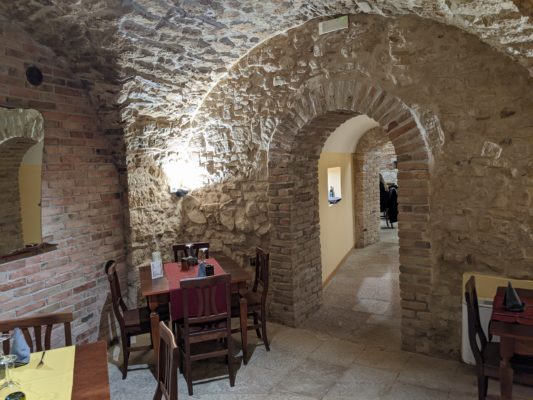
157, 269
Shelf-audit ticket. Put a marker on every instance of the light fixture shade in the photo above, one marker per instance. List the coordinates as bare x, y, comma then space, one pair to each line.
181, 192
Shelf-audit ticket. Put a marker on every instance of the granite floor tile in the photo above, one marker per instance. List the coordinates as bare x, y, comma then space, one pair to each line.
350, 349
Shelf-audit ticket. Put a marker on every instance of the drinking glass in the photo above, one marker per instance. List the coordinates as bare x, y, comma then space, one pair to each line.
7, 360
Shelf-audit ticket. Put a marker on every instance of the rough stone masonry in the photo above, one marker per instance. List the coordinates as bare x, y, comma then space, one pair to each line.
237, 88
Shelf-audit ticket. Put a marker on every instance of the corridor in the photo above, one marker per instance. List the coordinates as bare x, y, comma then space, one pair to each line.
361, 303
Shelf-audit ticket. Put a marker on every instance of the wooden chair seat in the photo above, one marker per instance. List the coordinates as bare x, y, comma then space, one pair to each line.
253, 300
137, 320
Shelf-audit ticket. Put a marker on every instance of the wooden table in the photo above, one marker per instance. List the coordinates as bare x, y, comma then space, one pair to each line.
157, 292
514, 339
91, 381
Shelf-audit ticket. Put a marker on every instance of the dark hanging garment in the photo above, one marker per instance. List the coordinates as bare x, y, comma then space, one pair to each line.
393, 204
383, 197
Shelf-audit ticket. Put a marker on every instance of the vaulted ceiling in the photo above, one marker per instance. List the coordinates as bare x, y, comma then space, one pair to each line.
159, 58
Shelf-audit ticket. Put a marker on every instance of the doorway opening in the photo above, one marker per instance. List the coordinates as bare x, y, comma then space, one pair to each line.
359, 249
294, 154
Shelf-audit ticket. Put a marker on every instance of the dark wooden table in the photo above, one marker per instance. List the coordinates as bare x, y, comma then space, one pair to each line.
157, 292
91, 381
514, 339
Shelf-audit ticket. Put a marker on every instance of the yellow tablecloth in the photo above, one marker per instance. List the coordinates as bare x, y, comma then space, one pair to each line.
52, 381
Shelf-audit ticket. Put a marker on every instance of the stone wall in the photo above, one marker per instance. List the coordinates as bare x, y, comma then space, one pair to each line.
446, 139
81, 195
167, 55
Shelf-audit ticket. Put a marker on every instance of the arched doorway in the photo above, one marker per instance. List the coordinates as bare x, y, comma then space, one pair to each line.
293, 196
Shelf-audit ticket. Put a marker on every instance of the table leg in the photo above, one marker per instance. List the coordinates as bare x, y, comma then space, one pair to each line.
243, 304
154, 322
506, 369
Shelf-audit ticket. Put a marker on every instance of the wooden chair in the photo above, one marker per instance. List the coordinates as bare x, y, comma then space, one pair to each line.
256, 299
189, 249
36, 323
487, 353
207, 322
167, 366
132, 322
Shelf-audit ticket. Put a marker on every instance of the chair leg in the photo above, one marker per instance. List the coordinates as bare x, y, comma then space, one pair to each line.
125, 364
264, 328
482, 385
158, 393
256, 324
243, 324
231, 364
188, 374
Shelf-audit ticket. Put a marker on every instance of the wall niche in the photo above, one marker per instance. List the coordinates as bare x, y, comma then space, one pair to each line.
21, 153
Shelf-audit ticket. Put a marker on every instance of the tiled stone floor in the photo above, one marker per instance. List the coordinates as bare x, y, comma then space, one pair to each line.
349, 350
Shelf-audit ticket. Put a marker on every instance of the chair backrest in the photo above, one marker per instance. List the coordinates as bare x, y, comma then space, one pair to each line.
211, 296
262, 271
37, 323
119, 307
167, 366
476, 336
189, 249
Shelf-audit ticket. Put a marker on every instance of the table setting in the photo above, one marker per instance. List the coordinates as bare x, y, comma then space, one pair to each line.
42, 375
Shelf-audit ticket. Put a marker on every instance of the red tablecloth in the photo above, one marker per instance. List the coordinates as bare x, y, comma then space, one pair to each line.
174, 275
499, 313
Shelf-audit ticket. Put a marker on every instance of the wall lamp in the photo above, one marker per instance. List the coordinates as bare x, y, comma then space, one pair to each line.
181, 192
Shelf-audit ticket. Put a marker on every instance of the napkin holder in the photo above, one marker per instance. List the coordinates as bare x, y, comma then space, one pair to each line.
511, 300
187, 263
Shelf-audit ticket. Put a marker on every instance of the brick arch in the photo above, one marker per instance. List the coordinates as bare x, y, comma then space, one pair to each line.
21, 123
293, 196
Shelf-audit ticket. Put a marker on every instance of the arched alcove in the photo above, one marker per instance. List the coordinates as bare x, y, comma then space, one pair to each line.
19, 130
293, 196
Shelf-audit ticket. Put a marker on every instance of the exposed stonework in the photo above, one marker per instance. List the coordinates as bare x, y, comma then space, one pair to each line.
165, 56
391, 59
197, 86
525, 6
21, 123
